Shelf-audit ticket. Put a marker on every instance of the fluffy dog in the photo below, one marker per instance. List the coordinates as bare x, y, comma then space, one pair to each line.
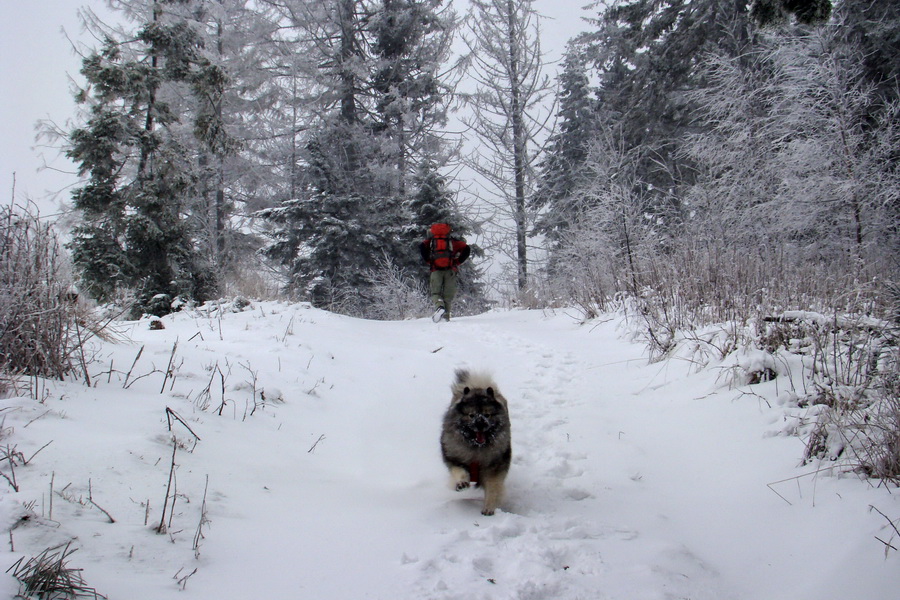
475, 439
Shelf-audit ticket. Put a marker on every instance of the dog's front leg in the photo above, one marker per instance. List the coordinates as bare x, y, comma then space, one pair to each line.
459, 477
493, 493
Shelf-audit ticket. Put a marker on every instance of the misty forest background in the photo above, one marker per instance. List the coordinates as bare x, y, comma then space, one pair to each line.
720, 164
719, 155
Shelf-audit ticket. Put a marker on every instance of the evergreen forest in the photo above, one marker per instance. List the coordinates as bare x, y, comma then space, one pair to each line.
708, 160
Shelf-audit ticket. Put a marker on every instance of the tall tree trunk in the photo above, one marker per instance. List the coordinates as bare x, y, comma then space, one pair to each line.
347, 11
349, 110
295, 147
519, 147
401, 159
220, 210
151, 103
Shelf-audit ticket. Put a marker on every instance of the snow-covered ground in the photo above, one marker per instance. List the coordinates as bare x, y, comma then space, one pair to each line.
629, 481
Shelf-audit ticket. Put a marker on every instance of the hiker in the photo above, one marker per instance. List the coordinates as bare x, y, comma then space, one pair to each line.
444, 253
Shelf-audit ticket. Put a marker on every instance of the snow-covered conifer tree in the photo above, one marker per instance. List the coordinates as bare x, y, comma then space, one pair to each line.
562, 170
411, 41
141, 177
378, 101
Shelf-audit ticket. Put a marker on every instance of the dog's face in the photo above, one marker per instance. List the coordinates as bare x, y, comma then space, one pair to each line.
480, 416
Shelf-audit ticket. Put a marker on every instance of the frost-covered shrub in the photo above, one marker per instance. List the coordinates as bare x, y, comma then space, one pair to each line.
866, 434
37, 305
882, 455
854, 388
396, 295
867, 425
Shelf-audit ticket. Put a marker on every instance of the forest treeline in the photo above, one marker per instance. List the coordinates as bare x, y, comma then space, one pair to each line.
712, 154
722, 158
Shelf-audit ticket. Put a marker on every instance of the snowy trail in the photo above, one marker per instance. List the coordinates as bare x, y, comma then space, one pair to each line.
565, 536
633, 481
629, 481
545, 539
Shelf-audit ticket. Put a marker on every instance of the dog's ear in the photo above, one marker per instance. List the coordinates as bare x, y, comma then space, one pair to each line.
490, 392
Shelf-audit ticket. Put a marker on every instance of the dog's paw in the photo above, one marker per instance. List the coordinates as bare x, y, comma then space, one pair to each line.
488, 512
462, 485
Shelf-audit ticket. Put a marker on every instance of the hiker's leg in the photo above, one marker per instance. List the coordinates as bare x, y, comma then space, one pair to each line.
436, 287
449, 289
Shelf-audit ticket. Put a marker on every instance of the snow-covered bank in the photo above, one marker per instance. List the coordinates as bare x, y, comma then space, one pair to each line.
629, 481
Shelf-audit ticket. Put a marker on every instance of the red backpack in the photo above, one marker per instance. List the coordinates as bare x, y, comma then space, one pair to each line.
441, 246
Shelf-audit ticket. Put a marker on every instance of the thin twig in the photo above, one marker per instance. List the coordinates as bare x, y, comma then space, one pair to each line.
97, 506
128, 375
36, 452
139, 377
893, 525
796, 478
222, 378
81, 342
182, 581
172, 415
313, 447
44, 414
11, 479
162, 519
204, 519
169, 368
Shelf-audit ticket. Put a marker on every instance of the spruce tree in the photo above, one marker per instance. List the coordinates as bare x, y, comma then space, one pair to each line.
647, 55
134, 237
563, 170
807, 12
411, 39
332, 231
873, 28
340, 226
378, 101
433, 202
229, 104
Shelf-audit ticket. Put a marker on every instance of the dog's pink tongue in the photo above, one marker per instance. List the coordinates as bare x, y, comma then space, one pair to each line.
479, 437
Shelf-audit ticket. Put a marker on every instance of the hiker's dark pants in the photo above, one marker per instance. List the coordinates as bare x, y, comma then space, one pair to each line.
442, 285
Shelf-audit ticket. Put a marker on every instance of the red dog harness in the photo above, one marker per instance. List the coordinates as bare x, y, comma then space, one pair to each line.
474, 472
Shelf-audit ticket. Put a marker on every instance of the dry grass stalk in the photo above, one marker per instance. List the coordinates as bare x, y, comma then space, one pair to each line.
48, 576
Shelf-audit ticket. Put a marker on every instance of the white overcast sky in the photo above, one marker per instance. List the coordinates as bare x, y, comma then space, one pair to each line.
37, 62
